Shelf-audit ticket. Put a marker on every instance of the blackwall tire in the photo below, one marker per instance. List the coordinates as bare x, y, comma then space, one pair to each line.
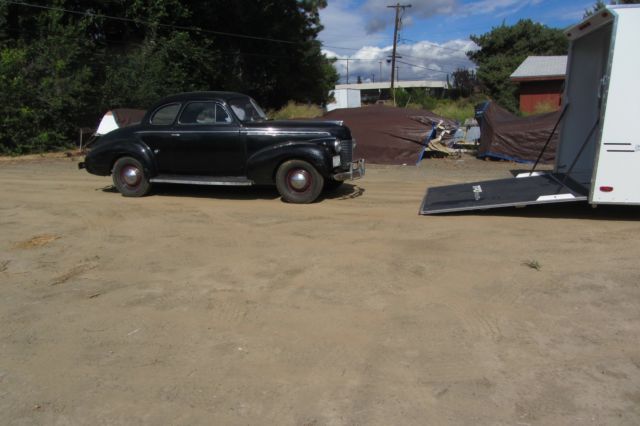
129, 177
299, 182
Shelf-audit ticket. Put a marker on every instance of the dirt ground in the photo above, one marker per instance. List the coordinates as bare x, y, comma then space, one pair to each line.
206, 306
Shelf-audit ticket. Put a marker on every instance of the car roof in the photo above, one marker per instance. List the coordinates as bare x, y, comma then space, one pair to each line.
191, 96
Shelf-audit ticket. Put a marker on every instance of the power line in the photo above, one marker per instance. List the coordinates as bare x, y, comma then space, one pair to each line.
426, 68
437, 45
147, 23
446, 71
408, 56
121, 42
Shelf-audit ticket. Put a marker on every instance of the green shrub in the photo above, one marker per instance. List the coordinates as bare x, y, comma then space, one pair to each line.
415, 96
458, 110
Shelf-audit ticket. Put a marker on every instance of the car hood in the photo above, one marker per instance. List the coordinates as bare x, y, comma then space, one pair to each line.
334, 128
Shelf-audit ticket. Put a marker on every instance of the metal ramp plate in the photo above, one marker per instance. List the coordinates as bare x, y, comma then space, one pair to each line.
511, 192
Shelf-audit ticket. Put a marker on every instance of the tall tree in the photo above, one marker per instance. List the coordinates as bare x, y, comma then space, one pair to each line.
62, 65
504, 48
464, 81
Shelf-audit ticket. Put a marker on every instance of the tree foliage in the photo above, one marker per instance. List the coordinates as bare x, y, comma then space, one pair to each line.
61, 70
465, 82
601, 5
504, 48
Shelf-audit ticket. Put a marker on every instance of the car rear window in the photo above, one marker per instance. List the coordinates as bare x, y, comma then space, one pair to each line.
165, 115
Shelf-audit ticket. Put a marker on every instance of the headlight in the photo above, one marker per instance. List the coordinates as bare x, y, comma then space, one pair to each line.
337, 146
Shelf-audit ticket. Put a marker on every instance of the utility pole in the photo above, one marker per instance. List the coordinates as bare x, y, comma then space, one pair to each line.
380, 75
347, 70
397, 7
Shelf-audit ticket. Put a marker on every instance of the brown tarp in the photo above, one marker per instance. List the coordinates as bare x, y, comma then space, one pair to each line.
509, 137
388, 135
127, 117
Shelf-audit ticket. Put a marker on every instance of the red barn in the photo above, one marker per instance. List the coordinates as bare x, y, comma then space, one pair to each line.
541, 80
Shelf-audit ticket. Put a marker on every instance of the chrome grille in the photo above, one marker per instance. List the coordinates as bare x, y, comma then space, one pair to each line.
346, 152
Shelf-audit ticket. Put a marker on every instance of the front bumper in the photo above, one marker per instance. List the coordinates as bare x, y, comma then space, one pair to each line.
356, 171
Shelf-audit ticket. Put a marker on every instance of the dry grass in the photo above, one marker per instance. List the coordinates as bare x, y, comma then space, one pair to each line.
37, 157
533, 264
294, 110
37, 241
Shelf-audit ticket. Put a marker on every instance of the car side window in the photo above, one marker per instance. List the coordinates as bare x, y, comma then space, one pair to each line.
165, 115
222, 116
204, 113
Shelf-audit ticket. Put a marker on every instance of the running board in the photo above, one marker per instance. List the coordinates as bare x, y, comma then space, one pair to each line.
203, 180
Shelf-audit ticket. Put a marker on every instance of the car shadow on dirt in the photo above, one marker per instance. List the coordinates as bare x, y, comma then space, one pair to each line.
345, 192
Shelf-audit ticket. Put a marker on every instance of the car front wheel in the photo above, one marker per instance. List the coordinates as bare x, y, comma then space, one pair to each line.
299, 182
129, 177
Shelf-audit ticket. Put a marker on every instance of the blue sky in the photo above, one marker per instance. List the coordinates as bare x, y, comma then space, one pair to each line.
434, 35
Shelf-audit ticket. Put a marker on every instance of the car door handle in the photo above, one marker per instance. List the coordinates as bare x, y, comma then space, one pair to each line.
175, 134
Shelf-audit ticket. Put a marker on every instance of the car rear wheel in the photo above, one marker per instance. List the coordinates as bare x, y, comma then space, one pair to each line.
299, 182
129, 177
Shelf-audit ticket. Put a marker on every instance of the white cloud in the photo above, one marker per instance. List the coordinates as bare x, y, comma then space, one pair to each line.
355, 32
492, 6
380, 16
420, 61
345, 26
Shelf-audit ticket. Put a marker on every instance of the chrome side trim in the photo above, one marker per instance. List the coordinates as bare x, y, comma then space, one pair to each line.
188, 131
284, 133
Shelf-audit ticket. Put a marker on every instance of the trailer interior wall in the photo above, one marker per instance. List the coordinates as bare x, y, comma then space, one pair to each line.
587, 66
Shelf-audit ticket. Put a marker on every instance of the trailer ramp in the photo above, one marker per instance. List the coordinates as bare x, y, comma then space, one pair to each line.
521, 191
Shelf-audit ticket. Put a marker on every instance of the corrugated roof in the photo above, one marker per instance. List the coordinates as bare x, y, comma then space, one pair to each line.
541, 66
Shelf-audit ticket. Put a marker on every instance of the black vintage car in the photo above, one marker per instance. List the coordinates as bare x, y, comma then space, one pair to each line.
224, 138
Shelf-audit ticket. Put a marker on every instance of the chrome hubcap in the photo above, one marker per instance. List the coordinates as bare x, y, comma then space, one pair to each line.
131, 175
299, 180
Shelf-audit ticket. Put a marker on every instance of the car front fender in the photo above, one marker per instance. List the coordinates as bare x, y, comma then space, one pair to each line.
263, 164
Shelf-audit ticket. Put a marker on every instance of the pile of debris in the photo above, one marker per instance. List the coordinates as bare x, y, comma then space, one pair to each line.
388, 135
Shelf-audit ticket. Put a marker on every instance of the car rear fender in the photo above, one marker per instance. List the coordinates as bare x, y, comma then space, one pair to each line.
133, 148
263, 164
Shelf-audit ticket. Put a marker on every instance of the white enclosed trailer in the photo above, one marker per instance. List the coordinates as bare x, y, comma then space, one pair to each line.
598, 158
345, 98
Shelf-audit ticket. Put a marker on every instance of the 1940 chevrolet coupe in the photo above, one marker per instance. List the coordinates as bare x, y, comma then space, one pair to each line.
224, 138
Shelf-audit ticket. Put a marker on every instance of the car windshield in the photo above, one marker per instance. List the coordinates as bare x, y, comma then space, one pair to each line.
247, 110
